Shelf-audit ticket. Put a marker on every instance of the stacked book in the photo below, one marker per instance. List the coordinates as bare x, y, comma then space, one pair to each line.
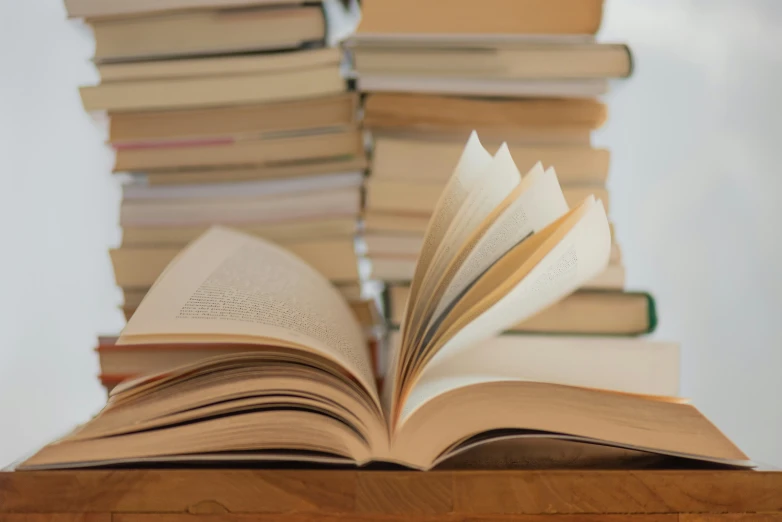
226, 113
523, 72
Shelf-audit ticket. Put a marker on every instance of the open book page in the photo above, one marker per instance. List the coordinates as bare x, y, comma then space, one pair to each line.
472, 164
560, 258
606, 364
540, 203
500, 178
231, 287
495, 283
609, 418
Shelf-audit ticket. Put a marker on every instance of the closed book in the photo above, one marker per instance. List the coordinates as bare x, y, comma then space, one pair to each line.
533, 17
394, 157
507, 60
213, 91
240, 152
261, 120
502, 117
586, 312
207, 32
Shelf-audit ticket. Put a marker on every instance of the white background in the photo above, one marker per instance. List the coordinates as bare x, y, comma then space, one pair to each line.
695, 134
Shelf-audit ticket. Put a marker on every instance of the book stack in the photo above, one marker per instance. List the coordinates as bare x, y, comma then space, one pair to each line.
229, 113
526, 73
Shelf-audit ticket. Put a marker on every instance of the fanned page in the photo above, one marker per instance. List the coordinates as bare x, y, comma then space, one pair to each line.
231, 287
472, 163
497, 181
535, 274
541, 201
569, 251
514, 266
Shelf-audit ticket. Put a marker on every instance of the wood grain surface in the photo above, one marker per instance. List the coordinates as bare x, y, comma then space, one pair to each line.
242, 495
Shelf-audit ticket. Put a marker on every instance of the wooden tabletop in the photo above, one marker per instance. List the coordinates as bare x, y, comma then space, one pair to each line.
245, 495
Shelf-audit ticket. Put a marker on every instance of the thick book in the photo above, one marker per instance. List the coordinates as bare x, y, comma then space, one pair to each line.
426, 161
500, 248
239, 151
214, 91
585, 312
266, 120
489, 17
560, 121
650, 365
207, 32
518, 59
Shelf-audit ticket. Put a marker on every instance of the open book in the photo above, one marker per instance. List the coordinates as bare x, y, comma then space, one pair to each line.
291, 377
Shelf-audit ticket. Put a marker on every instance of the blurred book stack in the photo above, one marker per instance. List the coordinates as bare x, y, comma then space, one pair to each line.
232, 113
525, 72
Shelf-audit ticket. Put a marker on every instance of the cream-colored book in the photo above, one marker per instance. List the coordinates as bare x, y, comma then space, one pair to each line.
283, 232
409, 197
500, 247
584, 313
516, 60
460, 86
263, 120
207, 32
139, 267
325, 204
275, 170
424, 161
213, 91
242, 152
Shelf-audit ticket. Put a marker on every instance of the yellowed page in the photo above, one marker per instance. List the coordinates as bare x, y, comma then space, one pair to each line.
596, 416
500, 178
579, 256
646, 368
540, 204
472, 164
230, 286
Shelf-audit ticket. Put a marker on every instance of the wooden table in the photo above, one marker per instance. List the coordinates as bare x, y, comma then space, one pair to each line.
245, 495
